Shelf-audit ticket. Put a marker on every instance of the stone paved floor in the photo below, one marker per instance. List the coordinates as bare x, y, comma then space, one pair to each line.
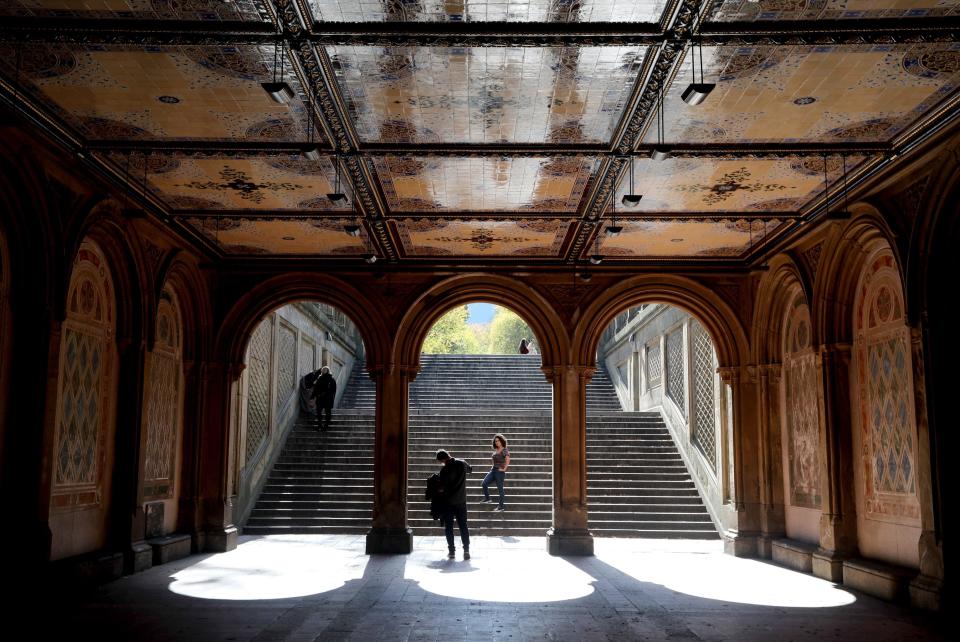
325, 588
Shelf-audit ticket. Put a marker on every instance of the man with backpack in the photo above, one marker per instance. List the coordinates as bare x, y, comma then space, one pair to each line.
452, 493
325, 392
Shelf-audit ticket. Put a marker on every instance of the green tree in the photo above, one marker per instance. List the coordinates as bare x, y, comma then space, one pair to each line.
506, 330
451, 335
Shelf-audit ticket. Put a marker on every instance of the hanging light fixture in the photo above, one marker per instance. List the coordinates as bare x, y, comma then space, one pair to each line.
352, 229
631, 199
660, 151
596, 258
278, 90
613, 230
310, 151
336, 196
696, 92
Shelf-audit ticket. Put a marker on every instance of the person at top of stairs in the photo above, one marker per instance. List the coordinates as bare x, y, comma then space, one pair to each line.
324, 391
453, 490
498, 473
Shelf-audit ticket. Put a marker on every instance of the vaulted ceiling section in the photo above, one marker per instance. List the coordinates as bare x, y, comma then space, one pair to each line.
467, 131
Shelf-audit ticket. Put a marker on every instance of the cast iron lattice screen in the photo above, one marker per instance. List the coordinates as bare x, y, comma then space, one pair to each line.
286, 364
654, 365
704, 394
675, 385
80, 419
258, 387
162, 422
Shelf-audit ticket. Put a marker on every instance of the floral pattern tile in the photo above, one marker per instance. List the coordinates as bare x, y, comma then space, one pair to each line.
682, 238
482, 238
200, 10
757, 10
299, 236
487, 11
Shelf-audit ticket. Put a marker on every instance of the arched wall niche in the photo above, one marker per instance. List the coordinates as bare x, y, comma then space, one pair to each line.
470, 288
83, 448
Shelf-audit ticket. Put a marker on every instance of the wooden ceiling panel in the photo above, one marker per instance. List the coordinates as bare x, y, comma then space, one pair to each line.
487, 10
735, 185
298, 236
675, 238
201, 10
482, 237
484, 184
559, 95
837, 93
756, 10
196, 93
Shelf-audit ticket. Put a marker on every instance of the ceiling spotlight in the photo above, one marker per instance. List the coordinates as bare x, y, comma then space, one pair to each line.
352, 229
279, 92
311, 153
336, 197
660, 152
696, 92
370, 258
614, 230
596, 259
585, 276
631, 200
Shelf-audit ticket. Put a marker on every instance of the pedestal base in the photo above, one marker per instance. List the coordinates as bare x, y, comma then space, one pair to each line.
389, 541
740, 545
569, 542
139, 557
925, 592
828, 565
220, 541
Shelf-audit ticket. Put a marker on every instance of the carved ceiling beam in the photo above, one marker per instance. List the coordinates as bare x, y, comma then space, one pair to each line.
831, 32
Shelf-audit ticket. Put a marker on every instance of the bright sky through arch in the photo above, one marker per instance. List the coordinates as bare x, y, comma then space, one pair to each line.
480, 312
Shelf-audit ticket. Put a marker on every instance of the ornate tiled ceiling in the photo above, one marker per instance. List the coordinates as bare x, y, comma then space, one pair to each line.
485, 129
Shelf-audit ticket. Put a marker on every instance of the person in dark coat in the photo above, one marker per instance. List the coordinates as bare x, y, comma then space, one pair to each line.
453, 493
324, 391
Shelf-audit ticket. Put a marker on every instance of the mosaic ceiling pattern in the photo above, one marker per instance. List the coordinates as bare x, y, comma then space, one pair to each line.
434, 184
486, 10
749, 10
736, 185
486, 94
855, 93
692, 238
152, 92
272, 183
482, 238
206, 10
297, 236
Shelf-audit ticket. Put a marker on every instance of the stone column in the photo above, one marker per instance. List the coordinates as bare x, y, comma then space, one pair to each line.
217, 532
926, 588
741, 514
390, 533
569, 535
193, 396
772, 518
838, 522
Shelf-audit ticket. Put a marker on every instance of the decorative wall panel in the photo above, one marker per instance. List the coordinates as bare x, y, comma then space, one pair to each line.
258, 386
163, 411
286, 363
885, 390
307, 356
486, 94
802, 415
676, 387
704, 393
654, 365
531, 237
686, 237
487, 11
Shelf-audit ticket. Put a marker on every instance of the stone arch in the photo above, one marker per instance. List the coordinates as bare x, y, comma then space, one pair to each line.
766, 334
459, 290
184, 279
85, 420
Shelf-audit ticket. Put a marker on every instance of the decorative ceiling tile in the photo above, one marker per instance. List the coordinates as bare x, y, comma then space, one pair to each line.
320, 236
487, 10
205, 10
687, 238
482, 238
484, 184
736, 185
486, 94
273, 183
754, 10
161, 92
841, 93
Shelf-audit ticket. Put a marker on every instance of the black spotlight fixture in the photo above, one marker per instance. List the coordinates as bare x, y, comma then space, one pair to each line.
336, 196
370, 258
585, 276
278, 89
596, 259
632, 199
352, 229
310, 151
660, 151
696, 92
613, 229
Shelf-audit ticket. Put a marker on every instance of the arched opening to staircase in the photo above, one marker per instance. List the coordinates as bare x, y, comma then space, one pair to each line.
655, 444
292, 477
475, 382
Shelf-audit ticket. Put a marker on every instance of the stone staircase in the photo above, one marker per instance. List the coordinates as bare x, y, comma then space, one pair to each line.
637, 484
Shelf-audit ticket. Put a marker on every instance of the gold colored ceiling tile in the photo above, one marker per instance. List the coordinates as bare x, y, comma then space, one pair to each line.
486, 11
276, 183
687, 238
479, 238
836, 93
320, 236
171, 92
736, 185
757, 10
486, 94
484, 184
200, 10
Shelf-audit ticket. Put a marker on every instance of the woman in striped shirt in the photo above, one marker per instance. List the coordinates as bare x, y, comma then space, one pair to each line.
498, 473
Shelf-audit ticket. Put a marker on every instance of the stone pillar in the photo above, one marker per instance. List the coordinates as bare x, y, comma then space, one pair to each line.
838, 522
772, 518
569, 535
926, 588
390, 533
217, 532
193, 396
741, 514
